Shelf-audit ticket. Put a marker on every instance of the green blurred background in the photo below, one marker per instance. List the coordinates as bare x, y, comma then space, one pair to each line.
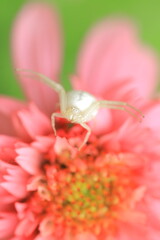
77, 17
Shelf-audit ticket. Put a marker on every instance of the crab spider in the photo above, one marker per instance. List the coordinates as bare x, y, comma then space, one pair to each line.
80, 106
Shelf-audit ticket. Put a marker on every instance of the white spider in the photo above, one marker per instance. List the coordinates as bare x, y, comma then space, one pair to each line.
79, 106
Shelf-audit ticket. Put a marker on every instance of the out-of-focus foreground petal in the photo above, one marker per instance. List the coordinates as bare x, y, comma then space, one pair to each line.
112, 54
7, 225
152, 116
7, 108
24, 123
36, 45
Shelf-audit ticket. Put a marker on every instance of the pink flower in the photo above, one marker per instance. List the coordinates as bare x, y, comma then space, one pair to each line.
110, 189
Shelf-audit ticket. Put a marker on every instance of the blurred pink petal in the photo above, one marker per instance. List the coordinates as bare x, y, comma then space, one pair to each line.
6, 199
36, 45
43, 143
85, 236
29, 159
119, 140
132, 232
102, 122
6, 196
22, 238
46, 227
8, 223
15, 181
152, 116
39, 237
110, 54
7, 107
7, 151
30, 123
26, 227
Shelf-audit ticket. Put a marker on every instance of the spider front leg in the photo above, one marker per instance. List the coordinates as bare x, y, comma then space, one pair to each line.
53, 116
124, 106
114, 105
59, 115
54, 85
84, 125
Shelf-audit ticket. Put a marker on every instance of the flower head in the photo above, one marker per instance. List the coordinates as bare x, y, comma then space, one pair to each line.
110, 189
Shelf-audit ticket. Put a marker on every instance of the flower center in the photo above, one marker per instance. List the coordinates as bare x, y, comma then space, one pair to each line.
86, 199
87, 196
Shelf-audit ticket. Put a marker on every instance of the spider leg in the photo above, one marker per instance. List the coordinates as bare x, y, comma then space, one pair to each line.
87, 134
121, 103
59, 115
53, 116
122, 106
113, 105
56, 86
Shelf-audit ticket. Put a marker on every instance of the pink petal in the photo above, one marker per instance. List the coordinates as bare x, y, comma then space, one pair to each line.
6, 141
153, 234
134, 137
46, 226
36, 45
26, 227
152, 116
43, 143
39, 237
6, 198
137, 232
7, 107
7, 150
62, 144
112, 54
152, 208
8, 222
12, 189
31, 123
102, 122
21, 209
15, 181
22, 238
29, 159
85, 236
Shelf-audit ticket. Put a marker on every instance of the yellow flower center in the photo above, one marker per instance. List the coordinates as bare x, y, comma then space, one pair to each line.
87, 199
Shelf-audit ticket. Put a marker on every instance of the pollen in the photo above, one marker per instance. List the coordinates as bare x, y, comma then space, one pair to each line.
87, 199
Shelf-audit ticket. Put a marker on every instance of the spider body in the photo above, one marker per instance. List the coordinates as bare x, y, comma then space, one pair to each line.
80, 106
77, 103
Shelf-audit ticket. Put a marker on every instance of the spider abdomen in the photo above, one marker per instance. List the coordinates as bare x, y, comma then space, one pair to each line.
82, 101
